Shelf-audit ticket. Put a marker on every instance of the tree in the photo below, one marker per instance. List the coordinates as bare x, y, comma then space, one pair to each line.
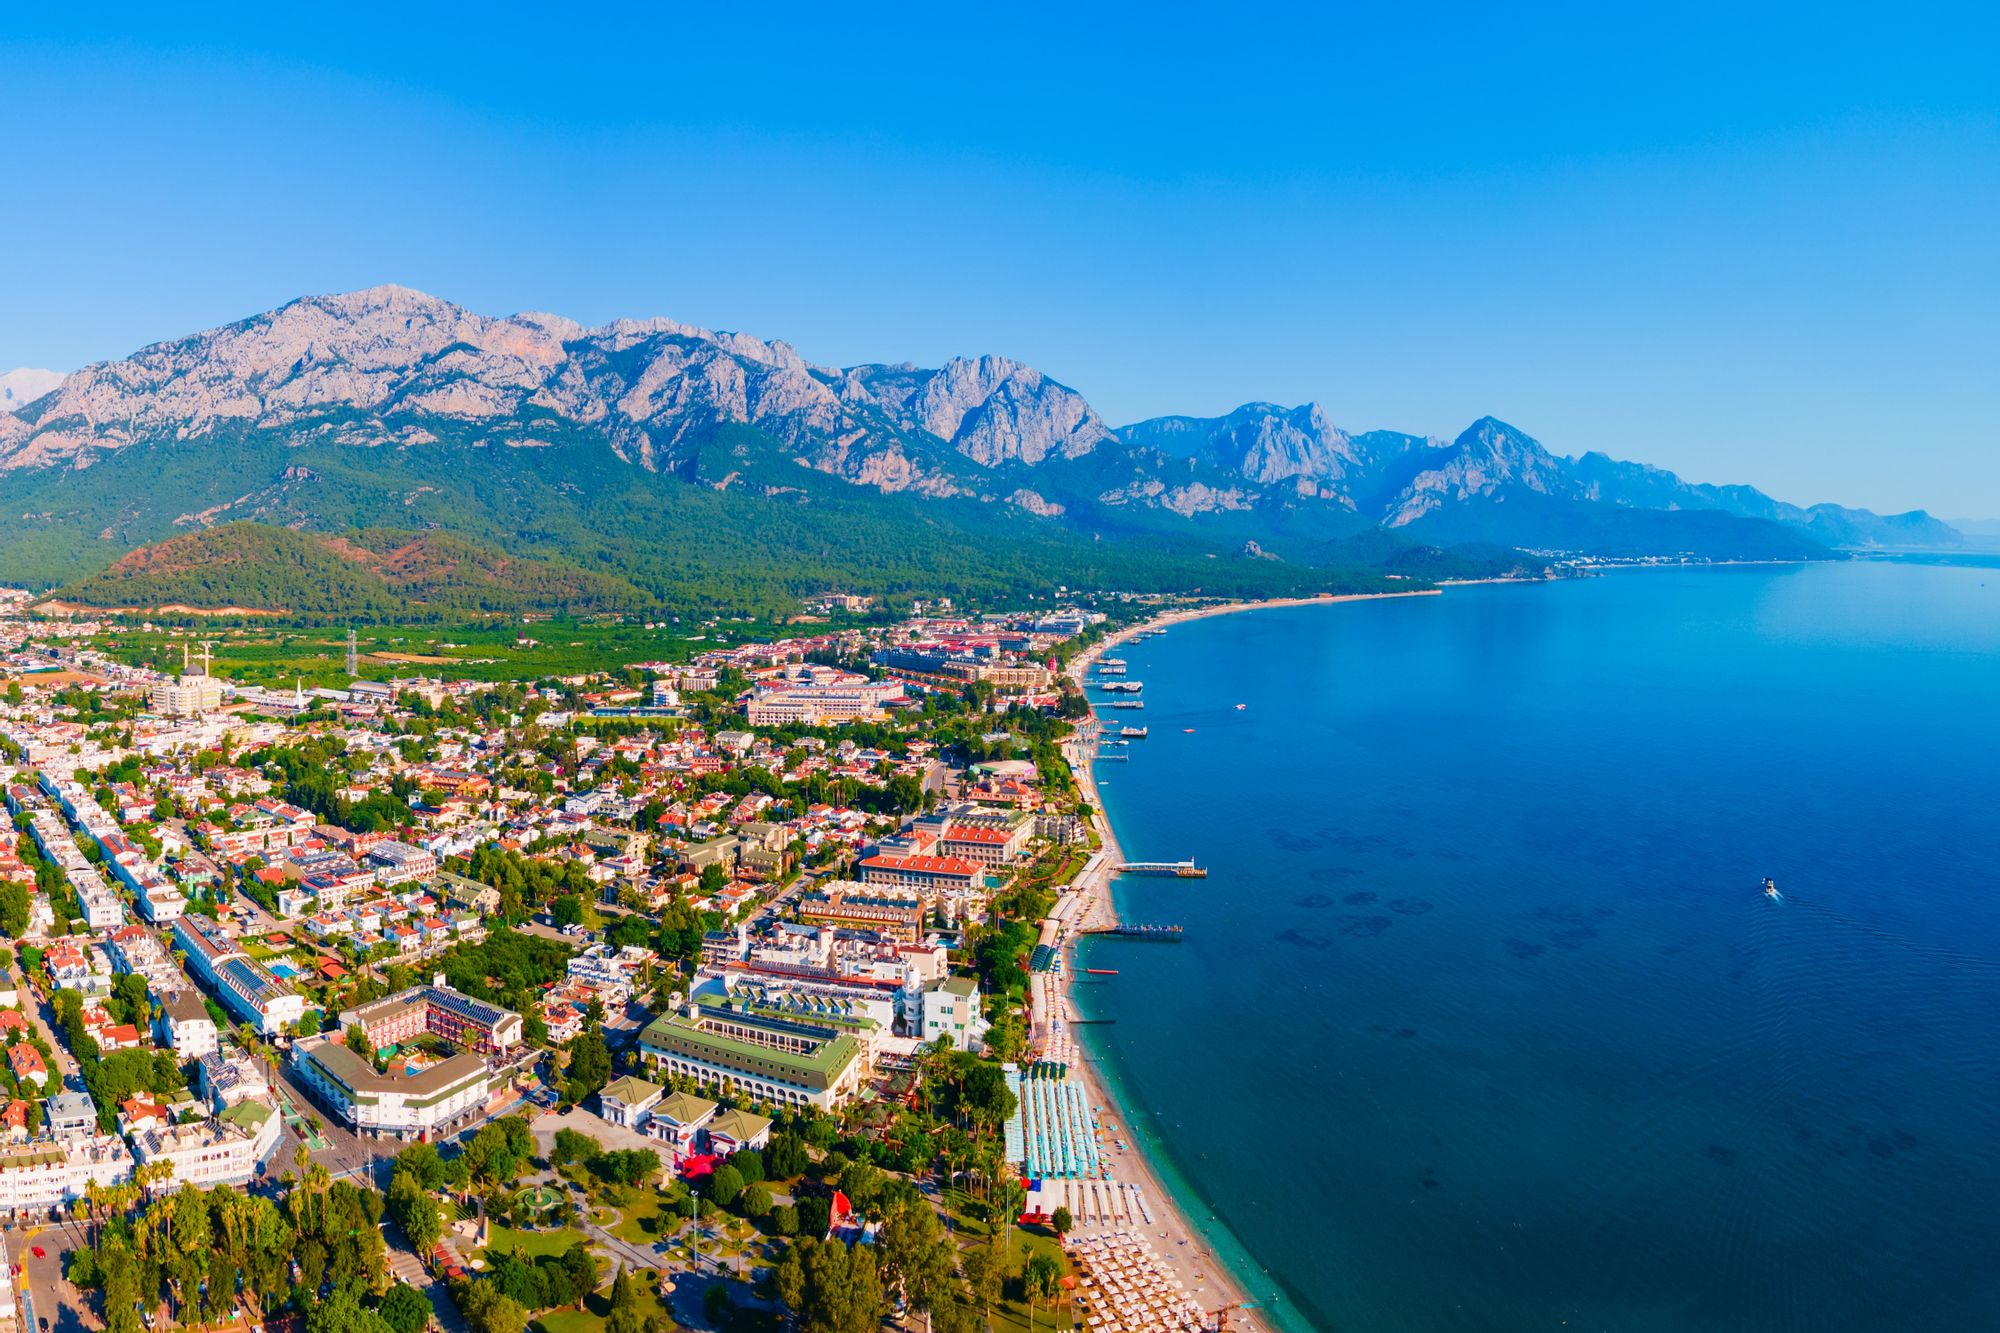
1062, 1221
626, 1312
14, 905
725, 1185
830, 1288
581, 1267
404, 1309
343, 1313
916, 1255
589, 1066
785, 1158
756, 1201
420, 1161
356, 1040
573, 1146
488, 1310
982, 1275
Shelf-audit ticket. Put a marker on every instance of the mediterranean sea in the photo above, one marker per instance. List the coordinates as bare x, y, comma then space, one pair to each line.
1482, 1020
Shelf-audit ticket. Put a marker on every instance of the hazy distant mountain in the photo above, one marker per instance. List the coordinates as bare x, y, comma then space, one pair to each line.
18, 388
392, 409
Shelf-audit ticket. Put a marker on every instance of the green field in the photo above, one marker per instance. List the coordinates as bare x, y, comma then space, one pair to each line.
273, 655
534, 1244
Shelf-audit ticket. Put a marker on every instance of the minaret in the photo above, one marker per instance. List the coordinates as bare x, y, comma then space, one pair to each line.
352, 662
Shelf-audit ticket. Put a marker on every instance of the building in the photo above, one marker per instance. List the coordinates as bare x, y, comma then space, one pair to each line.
629, 1102
246, 988
733, 1131
226, 1149
439, 1099
677, 1120
227, 1080
41, 1175
928, 875
844, 904
772, 1059
184, 1023
400, 863
951, 1009
188, 696
70, 1115
437, 1009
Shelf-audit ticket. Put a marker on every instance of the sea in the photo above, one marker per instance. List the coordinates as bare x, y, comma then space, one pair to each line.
1482, 1019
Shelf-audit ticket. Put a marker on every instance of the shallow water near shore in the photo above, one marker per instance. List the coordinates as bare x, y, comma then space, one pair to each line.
1482, 1021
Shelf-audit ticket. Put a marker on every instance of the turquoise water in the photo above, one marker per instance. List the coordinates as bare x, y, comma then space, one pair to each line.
1482, 1021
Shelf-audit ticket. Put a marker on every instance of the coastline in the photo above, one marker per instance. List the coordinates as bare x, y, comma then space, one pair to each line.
1194, 1254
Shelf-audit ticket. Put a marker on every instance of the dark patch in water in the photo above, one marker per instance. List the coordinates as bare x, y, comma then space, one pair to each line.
1904, 1139
1411, 906
1882, 1147
1313, 900
1726, 1156
1306, 939
1367, 927
1325, 874
1361, 899
1404, 1034
1574, 937
1523, 948
1403, 853
1430, 1182
1296, 842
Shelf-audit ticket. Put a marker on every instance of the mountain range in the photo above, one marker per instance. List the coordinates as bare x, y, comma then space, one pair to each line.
715, 468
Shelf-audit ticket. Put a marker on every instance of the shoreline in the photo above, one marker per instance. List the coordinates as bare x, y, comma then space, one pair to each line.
1191, 1252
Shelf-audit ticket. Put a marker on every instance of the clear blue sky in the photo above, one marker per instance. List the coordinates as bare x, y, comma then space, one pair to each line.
1749, 244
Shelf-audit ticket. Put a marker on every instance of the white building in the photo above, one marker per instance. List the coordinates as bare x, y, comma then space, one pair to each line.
951, 1009
225, 1149
44, 1174
437, 1100
187, 696
184, 1023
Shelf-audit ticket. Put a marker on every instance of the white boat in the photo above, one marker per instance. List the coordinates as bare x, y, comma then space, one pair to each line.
1771, 890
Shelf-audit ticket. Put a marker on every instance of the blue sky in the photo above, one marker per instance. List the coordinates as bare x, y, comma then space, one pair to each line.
1751, 244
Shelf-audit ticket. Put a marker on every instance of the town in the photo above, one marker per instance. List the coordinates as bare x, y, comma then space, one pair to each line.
708, 991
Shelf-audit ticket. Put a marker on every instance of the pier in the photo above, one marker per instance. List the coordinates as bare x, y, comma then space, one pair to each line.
1178, 869
1139, 930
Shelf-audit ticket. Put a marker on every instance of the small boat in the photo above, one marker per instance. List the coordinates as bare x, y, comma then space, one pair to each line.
1187, 731
1132, 733
1771, 890
1241, 707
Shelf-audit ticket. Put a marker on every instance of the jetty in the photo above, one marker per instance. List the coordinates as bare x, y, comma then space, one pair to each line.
1139, 930
1124, 686
1178, 869
1126, 703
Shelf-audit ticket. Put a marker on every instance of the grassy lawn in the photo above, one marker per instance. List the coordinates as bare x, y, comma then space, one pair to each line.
647, 1218
1009, 1315
534, 1244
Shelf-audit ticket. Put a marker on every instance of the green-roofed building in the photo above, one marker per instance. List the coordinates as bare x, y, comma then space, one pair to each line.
772, 1058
